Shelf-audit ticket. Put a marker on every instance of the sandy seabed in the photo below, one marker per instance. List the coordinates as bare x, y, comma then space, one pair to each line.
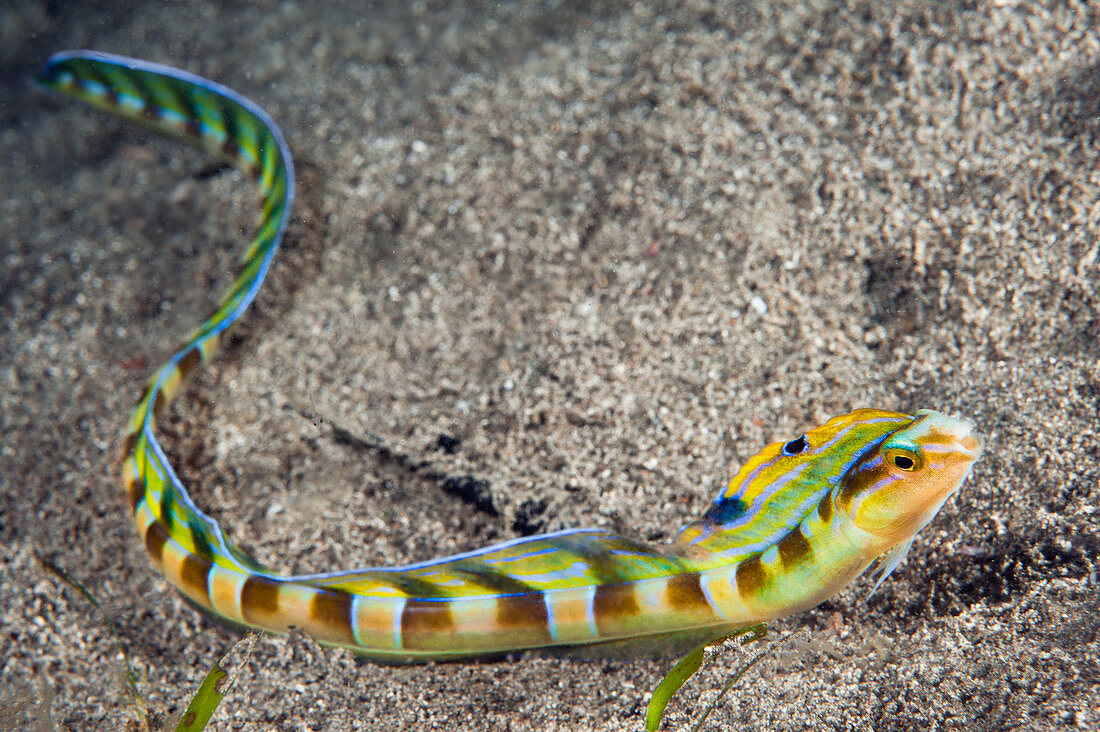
590, 257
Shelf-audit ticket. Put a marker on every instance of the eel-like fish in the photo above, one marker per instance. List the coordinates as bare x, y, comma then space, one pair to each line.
798, 522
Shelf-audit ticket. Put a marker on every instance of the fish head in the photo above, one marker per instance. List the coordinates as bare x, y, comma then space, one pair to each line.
898, 487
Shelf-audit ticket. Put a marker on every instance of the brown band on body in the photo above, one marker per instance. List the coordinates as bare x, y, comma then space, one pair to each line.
527, 610
158, 404
135, 489
825, 509
684, 593
613, 603
751, 576
144, 395
232, 150
155, 539
331, 614
191, 361
424, 623
259, 600
794, 547
195, 577
130, 443
191, 127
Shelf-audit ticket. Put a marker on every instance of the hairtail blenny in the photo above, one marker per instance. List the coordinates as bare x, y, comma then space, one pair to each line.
798, 522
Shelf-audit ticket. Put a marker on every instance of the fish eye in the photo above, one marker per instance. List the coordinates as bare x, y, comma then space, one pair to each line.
795, 446
904, 459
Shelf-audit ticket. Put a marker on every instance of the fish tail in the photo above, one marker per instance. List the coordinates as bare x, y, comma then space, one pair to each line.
181, 539
184, 543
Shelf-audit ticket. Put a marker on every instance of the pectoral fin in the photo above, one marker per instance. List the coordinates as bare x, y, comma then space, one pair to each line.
890, 561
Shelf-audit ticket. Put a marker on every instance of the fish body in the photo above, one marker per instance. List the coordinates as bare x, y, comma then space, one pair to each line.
798, 522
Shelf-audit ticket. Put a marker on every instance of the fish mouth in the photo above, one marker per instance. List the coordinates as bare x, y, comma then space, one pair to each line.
972, 445
959, 432
967, 441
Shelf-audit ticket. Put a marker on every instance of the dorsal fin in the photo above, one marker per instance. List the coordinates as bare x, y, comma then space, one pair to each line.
563, 560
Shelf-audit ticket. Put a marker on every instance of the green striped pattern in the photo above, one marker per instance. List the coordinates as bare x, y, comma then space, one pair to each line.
798, 522
238, 131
